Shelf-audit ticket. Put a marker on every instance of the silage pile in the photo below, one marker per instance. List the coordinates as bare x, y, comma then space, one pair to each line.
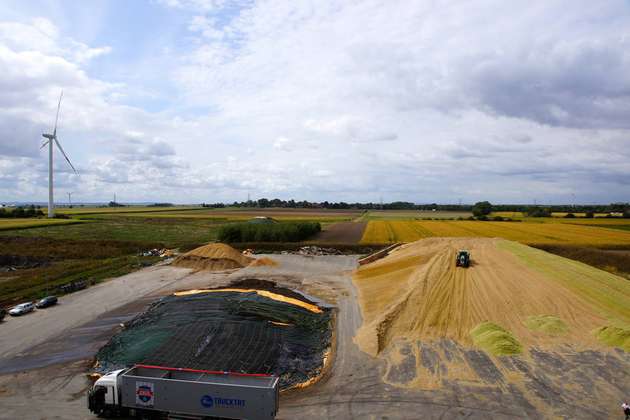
263, 330
213, 257
512, 297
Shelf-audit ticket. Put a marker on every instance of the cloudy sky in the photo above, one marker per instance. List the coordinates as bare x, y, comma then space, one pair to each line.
421, 100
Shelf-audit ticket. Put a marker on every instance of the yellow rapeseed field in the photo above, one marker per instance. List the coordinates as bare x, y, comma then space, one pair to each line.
382, 231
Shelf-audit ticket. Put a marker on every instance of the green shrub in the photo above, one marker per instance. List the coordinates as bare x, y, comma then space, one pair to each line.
277, 232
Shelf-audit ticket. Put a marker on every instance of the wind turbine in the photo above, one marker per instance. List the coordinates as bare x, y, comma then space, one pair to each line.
53, 138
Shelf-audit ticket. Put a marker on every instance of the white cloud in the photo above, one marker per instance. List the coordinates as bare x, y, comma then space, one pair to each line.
282, 143
340, 101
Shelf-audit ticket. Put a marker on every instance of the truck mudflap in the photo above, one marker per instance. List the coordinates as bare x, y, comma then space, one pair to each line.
96, 400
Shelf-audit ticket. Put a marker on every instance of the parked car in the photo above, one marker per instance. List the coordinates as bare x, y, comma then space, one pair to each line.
46, 302
21, 309
3, 313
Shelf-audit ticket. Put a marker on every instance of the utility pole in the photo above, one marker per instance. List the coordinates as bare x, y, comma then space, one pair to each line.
114, 197
70, 198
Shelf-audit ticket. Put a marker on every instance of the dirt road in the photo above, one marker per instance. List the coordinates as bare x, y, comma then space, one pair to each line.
342, 233
24, 332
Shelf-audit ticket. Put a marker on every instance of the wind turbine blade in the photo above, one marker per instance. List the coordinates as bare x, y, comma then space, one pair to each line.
57, 117
64, 155
44, 144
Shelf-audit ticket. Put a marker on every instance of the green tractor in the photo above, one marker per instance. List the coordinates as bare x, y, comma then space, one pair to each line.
462, 259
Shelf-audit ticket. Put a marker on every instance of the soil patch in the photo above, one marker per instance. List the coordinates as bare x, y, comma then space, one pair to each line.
339, 233
614, 261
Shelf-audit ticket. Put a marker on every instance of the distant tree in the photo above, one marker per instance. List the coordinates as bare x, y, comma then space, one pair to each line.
538, 212
482, 208
18, 212
569, 216
589, 215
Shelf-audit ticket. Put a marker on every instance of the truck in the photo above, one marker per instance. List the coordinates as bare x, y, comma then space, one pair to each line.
156, 392
462, 259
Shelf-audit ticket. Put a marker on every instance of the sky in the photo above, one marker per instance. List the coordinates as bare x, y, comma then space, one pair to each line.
191, 101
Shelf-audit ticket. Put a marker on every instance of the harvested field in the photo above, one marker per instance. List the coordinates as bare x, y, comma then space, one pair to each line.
379, 231
413, 215
230, 329
341, 233
213, 257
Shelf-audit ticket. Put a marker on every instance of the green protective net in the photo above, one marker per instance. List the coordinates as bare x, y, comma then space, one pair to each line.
225, 331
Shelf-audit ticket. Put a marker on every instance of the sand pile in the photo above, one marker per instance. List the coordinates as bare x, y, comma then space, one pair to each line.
215, 256
529, 296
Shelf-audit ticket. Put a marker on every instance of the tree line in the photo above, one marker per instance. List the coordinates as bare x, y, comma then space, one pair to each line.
21, 212
405, 205
271, 232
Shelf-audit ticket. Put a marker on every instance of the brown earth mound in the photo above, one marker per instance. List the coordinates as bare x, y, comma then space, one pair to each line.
213, 257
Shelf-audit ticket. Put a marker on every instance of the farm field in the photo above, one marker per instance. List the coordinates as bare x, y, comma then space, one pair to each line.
413, 214
527, 233
170, 232
126, 209
225, 214
7, 224
108, 241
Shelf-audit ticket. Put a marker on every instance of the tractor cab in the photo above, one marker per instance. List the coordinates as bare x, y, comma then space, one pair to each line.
462, 259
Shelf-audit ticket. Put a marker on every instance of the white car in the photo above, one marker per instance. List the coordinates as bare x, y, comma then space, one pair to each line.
21, 309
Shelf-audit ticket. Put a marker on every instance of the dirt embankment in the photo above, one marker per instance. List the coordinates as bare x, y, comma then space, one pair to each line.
418, 293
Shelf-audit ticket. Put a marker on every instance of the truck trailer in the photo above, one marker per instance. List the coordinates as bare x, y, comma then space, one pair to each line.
156, 392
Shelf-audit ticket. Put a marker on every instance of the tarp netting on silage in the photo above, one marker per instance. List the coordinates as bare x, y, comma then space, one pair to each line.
226, 331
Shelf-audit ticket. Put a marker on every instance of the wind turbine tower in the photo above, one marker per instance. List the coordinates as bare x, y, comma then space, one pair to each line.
50, 139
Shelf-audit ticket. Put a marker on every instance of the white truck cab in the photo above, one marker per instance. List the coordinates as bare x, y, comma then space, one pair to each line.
105, 394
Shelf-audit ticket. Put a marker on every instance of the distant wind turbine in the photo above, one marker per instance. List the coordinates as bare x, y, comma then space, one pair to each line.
53, 137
